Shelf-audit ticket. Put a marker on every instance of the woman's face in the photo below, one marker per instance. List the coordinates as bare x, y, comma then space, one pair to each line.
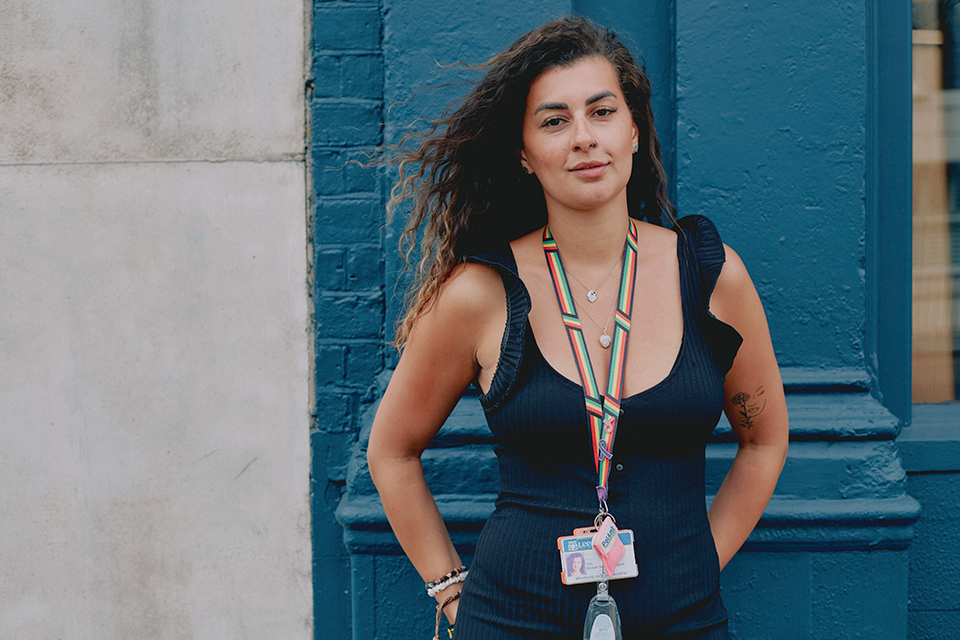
578, 135
577, 564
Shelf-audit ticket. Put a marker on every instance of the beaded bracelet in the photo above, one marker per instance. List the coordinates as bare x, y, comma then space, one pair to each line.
442, 579
440, 586
452, 574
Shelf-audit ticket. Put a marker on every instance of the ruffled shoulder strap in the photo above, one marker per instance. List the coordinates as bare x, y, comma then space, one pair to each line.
512, 344
705, 251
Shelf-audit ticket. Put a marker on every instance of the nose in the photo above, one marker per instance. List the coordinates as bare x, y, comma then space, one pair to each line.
583, 136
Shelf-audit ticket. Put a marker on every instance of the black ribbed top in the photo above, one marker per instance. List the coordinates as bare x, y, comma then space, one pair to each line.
548, 479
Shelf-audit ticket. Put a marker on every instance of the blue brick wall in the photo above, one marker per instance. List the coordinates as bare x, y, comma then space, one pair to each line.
345, 102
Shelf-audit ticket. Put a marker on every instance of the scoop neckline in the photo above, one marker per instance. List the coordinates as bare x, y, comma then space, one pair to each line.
636, 396
578, 385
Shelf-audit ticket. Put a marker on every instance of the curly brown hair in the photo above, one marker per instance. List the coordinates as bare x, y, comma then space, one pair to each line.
468, 191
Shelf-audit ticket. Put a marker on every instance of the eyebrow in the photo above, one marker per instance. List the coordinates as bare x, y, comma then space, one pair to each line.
560, 106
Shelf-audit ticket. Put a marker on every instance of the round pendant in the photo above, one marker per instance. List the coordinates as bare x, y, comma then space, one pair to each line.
592, 296
605, 341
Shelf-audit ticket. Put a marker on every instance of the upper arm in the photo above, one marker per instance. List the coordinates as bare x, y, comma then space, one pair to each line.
753, 391
445, 349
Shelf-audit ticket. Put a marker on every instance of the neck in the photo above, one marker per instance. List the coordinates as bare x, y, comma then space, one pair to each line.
589, 238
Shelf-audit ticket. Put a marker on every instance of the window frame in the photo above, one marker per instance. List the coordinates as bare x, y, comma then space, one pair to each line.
889, 204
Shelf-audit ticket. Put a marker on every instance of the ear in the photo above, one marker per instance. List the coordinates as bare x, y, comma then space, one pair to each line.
522, 156
636, 134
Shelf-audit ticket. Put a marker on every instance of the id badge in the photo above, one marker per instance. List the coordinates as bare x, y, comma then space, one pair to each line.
580, 563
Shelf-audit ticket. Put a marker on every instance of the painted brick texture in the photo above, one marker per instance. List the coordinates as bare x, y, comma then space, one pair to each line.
345, 107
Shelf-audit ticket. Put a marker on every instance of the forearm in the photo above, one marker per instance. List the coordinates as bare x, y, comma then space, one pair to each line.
416, 521
744, 495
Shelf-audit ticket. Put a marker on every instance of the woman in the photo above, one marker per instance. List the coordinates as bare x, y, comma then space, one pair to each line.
575, 564
531, 198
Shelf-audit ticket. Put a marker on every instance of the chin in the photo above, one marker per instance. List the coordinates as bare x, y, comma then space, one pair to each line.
588, 202
589, 197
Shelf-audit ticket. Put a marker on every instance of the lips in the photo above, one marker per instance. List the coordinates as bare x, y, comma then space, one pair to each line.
589, 169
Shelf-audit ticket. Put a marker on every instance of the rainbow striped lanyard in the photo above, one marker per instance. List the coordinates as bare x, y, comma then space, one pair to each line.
603, 413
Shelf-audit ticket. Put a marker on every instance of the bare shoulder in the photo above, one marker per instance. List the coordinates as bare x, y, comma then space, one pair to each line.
734, 281
735, 299
468, 312
661, 239
656, 244
470, 289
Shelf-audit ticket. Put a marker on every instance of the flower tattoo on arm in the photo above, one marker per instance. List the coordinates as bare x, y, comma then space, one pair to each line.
749, 406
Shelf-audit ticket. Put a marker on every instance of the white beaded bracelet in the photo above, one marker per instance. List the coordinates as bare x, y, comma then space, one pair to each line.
440, 586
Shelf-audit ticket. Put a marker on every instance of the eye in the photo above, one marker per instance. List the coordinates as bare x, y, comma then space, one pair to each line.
605, 111
555, 121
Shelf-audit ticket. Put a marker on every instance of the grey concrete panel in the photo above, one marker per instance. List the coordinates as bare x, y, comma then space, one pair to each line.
151, 79
154, 402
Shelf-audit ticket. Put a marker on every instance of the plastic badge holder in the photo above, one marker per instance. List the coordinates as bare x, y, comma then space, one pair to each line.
579, 563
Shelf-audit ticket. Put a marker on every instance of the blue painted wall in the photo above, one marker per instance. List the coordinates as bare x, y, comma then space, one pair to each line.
770, 112
770, 117
930, 448
345, 101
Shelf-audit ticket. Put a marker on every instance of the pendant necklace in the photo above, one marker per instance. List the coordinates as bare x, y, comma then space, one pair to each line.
592, 293
605, 340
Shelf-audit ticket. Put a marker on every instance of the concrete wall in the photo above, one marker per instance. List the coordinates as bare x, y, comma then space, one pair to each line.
154, 391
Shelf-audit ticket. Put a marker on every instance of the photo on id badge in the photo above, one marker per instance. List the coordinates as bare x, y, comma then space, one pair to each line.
580, 563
